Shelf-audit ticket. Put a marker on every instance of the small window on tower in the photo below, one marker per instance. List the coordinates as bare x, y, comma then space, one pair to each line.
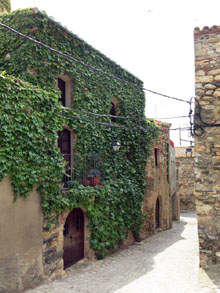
156, 157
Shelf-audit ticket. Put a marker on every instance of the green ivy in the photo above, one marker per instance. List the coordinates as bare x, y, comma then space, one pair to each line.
30, 153
5, 5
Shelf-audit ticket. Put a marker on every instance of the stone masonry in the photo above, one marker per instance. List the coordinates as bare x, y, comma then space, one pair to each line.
158, 187
185, 177
207, 142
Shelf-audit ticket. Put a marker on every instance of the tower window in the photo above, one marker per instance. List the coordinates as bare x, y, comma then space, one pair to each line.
156, 157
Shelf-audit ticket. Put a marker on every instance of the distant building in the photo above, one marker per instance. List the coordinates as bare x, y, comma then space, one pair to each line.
161, 204
185, 177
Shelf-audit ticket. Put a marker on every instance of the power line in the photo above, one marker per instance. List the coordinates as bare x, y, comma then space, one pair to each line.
124, 117
177, 117
109, 115
113, 125
87, 65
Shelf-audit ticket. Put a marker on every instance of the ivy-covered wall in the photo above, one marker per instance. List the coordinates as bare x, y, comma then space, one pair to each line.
116, 207
5, 6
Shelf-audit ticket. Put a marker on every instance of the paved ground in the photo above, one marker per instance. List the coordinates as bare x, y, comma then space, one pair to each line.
167, 262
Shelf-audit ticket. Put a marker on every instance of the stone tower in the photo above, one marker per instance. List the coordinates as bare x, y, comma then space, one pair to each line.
5, 6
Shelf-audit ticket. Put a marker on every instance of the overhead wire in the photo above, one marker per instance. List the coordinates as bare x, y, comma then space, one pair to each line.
124, 117
113, 125
104, 73
87, 65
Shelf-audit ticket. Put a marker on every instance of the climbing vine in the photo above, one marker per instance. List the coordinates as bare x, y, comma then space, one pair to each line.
31, 115
5, 5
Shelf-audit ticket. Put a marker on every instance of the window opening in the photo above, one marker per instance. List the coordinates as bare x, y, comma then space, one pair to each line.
113, 112
156, 154
62, 88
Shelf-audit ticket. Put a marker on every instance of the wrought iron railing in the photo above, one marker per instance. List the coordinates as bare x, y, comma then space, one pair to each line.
87, 170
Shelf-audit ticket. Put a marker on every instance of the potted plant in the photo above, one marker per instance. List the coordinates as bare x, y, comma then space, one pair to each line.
95, 179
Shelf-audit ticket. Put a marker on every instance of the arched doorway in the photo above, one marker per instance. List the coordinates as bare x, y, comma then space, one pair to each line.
73, 238
157, 214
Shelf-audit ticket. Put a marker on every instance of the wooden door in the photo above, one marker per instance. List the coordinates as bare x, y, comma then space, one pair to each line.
73, 238
157, 213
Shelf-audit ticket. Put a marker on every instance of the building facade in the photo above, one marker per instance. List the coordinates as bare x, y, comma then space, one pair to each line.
185, 177
62, 133
160, 204
207, 146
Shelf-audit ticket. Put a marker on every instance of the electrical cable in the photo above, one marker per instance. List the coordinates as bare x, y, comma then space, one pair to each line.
87, 65
113, 125
123, 117
177, 117
105, 123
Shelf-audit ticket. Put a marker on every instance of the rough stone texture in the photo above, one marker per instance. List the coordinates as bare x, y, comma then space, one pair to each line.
207, 146
173, 183
157, 179
185, 177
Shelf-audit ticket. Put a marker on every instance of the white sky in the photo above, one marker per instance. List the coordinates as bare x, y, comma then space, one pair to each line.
153, 39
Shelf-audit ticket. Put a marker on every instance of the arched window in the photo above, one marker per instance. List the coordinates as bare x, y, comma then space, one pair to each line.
115, 109
113, 112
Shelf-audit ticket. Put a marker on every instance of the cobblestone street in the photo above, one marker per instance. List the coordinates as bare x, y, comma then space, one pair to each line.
166, 262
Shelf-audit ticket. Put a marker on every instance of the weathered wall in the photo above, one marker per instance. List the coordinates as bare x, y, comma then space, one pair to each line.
21, 263
158, 187
186, 180
173, 184
207, 144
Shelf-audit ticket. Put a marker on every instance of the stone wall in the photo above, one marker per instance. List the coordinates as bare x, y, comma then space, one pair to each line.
21, 262
185, 178
158, 187
173, 184
207, 142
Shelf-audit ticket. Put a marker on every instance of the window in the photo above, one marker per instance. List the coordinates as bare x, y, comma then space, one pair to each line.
64, 84
113, 112
115, 109
62, 87
64, 143
156, 157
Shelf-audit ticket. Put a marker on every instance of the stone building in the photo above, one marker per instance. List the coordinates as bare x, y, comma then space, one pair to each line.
109, 212
185, 177
173, 182
160, 204
207, 142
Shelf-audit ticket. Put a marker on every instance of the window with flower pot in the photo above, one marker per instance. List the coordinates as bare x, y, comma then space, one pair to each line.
89, 169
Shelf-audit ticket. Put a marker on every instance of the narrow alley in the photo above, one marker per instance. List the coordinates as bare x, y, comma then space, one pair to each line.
166, 262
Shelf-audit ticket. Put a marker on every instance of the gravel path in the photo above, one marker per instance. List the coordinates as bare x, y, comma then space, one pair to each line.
166, 262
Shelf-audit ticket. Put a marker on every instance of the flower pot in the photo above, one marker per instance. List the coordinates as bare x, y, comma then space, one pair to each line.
95, 181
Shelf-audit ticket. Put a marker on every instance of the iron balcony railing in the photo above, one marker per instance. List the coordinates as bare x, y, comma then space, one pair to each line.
87, 170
